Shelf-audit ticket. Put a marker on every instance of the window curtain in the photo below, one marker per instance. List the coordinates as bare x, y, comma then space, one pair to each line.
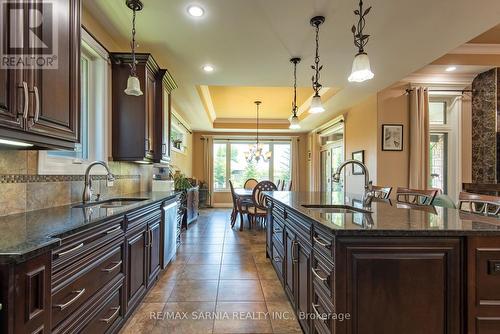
208, 165
295, 163
419, 139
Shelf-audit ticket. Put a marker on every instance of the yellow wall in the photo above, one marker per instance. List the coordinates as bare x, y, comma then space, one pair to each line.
360, 133
100, 33
184, 161
393, 108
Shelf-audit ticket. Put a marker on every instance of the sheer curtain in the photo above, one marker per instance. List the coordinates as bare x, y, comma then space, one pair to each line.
208, 163
418, 176
295, 163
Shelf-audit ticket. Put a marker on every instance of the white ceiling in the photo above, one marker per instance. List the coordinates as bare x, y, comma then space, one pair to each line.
249, 42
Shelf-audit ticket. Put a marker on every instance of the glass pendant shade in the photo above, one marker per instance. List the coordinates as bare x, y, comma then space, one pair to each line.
133, 86
316, 105
294, 122
361, 70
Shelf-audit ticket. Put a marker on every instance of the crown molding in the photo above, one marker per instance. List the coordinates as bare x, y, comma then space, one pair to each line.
477, 49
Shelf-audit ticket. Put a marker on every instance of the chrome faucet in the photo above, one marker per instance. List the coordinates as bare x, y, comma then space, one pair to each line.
87, 187
368, 183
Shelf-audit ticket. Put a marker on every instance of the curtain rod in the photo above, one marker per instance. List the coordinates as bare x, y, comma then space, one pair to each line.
182, 124
463, 91
340, 121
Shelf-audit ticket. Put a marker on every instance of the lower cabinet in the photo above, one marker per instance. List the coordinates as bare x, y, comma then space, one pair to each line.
153, 251
136, 266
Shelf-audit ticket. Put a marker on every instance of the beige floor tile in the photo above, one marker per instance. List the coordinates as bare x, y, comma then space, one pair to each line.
266, 271
283, 318
193, 291
205, 258
243, 318
240, 290
160, 292
142, 320
237, 258
186, 317
200, 272
239, 271
183, 248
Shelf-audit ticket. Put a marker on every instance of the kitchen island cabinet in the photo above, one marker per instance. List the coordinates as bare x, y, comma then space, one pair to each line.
384, 268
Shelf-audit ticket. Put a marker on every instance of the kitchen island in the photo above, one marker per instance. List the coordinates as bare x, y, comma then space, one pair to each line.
384, 268
83, 268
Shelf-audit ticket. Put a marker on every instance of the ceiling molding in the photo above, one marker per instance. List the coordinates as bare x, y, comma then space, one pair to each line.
443, 79
477, 49
206, 100
249, 123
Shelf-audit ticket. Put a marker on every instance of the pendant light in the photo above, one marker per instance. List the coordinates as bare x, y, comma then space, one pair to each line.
133, 84
294, 120
361, 70
255, 152
316, 104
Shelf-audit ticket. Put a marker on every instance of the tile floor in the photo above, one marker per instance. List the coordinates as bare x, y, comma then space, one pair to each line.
220, 282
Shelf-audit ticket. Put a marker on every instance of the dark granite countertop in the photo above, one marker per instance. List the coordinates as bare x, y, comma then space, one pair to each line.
24, 235
387, 218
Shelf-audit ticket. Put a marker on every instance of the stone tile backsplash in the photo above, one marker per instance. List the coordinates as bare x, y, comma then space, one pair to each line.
22, 189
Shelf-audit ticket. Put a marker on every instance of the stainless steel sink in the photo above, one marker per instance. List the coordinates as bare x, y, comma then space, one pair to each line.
335, 208
111, 203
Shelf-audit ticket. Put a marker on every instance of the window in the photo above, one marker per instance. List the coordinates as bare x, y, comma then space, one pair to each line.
437, 112
177, 135
93, 122
439, 161
230, 163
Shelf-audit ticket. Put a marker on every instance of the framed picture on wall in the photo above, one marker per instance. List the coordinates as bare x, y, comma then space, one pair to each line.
360, 156
392, 137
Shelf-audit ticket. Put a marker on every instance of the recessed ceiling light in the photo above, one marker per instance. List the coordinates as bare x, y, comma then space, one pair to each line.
208, 68
451, 68
195, 11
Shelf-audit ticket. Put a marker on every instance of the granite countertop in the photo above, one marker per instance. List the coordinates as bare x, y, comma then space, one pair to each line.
27, 234
387, 218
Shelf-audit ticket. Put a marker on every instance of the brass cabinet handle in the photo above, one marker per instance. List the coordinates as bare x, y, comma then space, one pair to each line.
70, 250
79, 293
318, 315
113, 230
111, 317
108, 270
322, 242
315, 272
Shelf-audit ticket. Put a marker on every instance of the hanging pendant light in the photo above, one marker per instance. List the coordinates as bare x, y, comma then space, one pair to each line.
294, 120
361, 70
316, 104
255, 152
133, 84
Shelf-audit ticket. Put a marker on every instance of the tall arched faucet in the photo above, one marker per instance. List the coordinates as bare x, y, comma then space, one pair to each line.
87, 187
368, 183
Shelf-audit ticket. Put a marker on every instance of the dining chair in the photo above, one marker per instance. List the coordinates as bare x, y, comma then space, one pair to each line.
415, 196
239, 206
479, 204
380, 192
250, 184
258, 211
289, 186
278, 185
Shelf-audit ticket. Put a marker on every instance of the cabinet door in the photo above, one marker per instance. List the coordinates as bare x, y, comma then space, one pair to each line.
55, 93
150, 92
13, 99
303, 282
136, 266
290, 258
154, 251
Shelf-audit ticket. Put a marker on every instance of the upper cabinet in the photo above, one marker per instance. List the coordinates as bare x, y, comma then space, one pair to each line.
40, 101
141, 123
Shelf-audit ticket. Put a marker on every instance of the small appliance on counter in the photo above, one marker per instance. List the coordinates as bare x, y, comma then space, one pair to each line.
161, 179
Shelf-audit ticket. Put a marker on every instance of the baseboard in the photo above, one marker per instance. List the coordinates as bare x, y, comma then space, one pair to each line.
222, 205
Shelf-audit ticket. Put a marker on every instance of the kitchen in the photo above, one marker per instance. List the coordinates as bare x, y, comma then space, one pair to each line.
306, 166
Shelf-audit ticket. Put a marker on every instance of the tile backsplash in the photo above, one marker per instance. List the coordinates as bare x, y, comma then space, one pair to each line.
23, 189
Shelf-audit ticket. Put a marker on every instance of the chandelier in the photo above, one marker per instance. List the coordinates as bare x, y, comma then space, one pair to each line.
316, 104
361, 70
294, 120
133, 84
256, 152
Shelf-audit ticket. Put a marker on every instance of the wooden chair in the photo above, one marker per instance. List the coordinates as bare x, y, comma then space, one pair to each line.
278, 185
380, 192
258, 211
289, 186
239, 207
415, 196
250, 184
479, 204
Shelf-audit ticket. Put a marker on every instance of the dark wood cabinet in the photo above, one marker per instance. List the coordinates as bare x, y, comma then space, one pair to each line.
154, 233
136, 266
40, 105
141, 124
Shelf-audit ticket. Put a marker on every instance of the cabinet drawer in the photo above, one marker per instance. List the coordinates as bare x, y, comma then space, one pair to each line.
322, 314
143, 216
277, 261
80, 245
322, 274
108, 314
299, 223
324, 244
277, 234
102, 268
